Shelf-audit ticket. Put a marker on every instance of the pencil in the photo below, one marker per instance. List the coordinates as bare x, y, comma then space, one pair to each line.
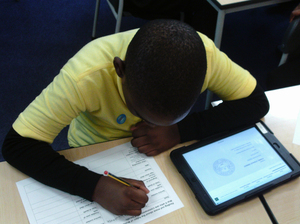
106, 173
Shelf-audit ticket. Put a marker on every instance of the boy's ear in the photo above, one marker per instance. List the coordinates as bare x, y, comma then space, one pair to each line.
119, 66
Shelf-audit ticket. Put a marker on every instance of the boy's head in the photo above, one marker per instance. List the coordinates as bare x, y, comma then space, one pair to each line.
163, 72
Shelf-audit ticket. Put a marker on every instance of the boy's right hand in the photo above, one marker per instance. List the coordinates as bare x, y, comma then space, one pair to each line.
120, 199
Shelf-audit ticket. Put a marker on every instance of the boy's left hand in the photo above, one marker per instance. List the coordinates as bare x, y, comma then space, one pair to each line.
154, 140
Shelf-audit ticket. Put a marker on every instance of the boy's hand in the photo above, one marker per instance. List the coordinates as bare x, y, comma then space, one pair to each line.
154, 140
120, 199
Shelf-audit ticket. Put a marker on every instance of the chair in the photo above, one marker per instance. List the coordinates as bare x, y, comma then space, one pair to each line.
113, 5
287, 72
118, 15
291, 40
117, 5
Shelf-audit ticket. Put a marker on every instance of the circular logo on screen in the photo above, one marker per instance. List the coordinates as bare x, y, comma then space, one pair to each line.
121, 119
224, 167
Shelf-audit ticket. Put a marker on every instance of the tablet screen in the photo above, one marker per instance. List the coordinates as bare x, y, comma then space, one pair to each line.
235, 165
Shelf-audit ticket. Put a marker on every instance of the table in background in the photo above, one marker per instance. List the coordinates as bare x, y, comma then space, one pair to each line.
228, 6
284, 201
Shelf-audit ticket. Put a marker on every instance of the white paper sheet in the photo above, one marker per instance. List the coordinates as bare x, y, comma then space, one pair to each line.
44, 204
296, 139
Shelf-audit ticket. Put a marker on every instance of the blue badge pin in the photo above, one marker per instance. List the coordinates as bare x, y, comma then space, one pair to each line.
121, 119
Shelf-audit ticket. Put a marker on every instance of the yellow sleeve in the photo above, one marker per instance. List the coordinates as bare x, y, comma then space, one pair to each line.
225, 78
52, 110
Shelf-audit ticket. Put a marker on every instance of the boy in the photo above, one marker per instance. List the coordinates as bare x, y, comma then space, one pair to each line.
133, 83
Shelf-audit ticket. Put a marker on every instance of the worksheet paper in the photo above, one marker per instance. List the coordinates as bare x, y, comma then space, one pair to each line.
44, 204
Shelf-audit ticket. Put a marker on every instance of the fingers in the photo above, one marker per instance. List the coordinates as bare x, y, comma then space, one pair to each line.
137, 125
140, 136
139, 184
120, 199
140, 129
295, 13
141, 141
292, 18
144, 145
137, 196
133, 212
136, 199
154, 140
153, 152
143, 188
149, 150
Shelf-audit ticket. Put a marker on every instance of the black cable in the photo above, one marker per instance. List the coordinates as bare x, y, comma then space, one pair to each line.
268, 209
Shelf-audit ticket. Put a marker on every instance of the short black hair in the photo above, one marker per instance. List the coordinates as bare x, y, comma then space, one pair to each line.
165, 66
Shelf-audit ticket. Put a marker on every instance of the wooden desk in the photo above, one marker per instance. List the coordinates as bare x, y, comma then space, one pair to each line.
12, 210
284, 201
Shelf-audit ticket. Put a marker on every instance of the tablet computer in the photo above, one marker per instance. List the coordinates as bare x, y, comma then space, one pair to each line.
233, 167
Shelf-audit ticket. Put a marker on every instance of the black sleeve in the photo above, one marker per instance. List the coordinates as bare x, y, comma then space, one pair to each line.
38, 160
228, 115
